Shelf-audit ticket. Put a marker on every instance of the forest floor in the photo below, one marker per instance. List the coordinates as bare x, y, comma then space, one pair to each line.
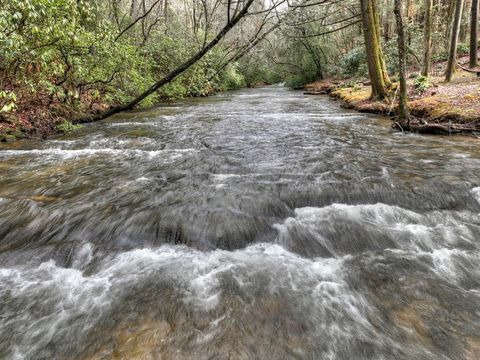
444, 108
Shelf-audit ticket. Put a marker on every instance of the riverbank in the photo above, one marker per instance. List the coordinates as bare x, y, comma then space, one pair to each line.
41, 119
443, 108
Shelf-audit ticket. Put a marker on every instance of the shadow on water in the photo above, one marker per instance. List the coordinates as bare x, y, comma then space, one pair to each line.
257, 224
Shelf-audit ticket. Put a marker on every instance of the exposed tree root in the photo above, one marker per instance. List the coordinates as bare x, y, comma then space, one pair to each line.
423, 127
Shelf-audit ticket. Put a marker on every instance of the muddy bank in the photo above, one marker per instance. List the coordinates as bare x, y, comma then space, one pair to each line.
452, 108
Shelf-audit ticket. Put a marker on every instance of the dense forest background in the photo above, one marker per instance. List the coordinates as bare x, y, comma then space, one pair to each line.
63, 58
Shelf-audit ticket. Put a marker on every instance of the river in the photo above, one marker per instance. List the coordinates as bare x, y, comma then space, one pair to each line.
255, 224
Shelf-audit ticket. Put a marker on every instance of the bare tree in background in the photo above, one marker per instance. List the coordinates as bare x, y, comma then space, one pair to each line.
474, 34
427, 38
452, 58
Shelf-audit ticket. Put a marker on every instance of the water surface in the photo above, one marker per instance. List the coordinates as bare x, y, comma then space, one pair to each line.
258, 224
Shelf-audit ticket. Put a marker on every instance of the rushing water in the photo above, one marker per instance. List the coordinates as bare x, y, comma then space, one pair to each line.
258, 224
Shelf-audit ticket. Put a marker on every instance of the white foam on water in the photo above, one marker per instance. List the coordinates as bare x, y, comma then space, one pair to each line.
69, 154
408, 229
17, 354
223, 177
449, 264
119, 144
66, 293
143, 179
385, 173
133, 123
64, 143
346, 117
63, 153
444, 262
83, 256
51, 296
476, 193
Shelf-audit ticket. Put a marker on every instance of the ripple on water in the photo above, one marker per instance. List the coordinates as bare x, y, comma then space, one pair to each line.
341, 229
71, 304
324, 235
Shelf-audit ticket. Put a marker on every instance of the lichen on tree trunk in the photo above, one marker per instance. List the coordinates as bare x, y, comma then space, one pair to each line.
375, 60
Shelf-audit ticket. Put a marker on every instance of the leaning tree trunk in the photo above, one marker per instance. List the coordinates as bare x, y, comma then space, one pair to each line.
402, 57
452, 58
376, 63
474, 35
427, 38
175, 73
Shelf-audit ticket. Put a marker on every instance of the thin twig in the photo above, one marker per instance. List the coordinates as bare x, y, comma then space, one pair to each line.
400, 126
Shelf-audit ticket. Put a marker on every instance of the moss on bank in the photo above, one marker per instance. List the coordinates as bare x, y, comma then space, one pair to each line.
444, 109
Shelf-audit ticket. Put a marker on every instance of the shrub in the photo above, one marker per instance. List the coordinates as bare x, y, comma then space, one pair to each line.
231, 78
354, 63
67, 127
463, 49
421, 84
7, 101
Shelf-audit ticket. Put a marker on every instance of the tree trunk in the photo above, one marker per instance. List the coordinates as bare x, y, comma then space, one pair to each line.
402, 57
450, 14
427, 38
175, 73
452, 59
166, 16
376, 63
474, 35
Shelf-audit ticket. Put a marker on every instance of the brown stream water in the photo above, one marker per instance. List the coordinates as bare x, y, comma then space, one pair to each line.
257, 224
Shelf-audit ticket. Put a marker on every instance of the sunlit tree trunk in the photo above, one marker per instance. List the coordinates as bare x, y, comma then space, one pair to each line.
427, 38
452, 58
402, 100
376, 63
474, 34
